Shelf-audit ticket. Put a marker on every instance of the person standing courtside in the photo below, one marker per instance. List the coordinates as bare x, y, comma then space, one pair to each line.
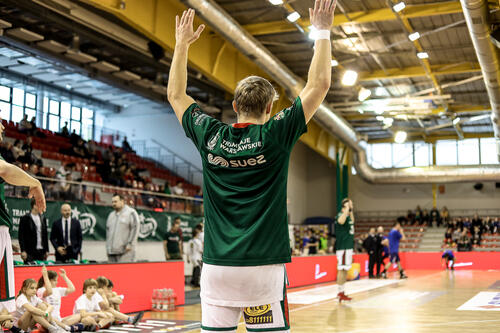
344, 245
370, 245
122, 231
172, 244
382, 249
33, 238
66, 236
12, 175
245, 170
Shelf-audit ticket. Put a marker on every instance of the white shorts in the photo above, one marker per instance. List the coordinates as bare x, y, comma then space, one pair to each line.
344, 259
7, 288
242, 286
264, 318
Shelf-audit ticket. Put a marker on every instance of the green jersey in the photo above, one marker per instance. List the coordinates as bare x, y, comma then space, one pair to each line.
5, 218
344, 234
245, 172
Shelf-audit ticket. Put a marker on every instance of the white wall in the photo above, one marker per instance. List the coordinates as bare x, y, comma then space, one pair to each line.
311, 185
460, 196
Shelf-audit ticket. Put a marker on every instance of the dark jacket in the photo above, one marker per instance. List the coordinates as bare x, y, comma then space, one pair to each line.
370, 244
75, 236
27, 234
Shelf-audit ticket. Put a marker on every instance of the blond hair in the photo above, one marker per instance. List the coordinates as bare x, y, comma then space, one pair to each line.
252, 96
89, 283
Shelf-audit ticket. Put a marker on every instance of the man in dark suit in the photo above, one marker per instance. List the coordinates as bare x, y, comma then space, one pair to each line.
66, 236
33, 238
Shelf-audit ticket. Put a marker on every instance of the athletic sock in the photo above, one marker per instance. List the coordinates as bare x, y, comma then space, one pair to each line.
341, 288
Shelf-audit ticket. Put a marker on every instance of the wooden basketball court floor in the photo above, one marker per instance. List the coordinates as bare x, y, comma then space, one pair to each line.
425, 303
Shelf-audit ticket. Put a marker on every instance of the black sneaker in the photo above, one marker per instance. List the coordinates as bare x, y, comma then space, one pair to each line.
384, 275
137, 318
403, 276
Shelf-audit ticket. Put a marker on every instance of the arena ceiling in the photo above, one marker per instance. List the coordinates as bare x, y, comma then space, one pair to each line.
442, 96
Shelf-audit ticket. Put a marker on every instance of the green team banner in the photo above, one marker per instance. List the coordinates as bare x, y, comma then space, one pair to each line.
93, 218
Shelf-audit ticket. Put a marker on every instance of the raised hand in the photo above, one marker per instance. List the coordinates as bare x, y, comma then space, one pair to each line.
37, 193
62, 272
184, 32
321, 16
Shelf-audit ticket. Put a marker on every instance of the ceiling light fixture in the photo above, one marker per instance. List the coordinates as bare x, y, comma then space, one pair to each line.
364, 94
456, 120
388, 121
399, 7
423, 55
400, 136
414, 36
276, 2
350, 77
293, 17
335, 63
380, 118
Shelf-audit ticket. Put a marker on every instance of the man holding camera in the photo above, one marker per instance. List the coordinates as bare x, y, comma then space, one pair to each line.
344, 245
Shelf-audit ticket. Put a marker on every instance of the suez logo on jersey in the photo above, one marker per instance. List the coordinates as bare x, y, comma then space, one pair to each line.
242, 163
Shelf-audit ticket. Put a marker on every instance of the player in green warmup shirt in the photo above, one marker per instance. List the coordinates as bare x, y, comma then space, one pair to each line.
245, 171
344, 245
13, 175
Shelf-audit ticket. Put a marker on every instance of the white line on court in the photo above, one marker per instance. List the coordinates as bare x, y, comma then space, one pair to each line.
128, 329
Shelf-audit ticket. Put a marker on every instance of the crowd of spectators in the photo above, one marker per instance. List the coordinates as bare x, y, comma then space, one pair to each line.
110, 164
464, 232
424, 217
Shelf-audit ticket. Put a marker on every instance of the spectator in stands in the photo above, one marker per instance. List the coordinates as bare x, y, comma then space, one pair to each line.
149, 199
34, 129
28, 156
445, 215
496, 225
485, 227
476, 235
310, 243
434, 217
64, 190
172, 243
464, 243
6, 151
456, 235
198, 205
418, 215
491, 225
323, 243
73, 138
17, 150
126, 146
410, 217
122, 230
476, 221
25, 125
425, 219
460, 224
448, 237
65, 130
66, 236
467, 224
91, 150
178, 189
32, 235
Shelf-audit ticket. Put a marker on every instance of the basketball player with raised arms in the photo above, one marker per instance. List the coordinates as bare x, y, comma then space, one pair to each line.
245, 171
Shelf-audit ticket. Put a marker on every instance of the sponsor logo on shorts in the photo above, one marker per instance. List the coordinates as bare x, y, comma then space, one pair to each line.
259, 314
253, 161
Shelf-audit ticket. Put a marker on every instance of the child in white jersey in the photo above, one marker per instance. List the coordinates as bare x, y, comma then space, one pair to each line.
114, 299
31, 310
87, 306
50, 293
106, 306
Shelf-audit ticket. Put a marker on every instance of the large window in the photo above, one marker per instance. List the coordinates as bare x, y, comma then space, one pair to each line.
419, 154
15, 103
488, 151
468, 152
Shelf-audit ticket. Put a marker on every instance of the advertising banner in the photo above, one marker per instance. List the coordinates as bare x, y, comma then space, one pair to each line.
93, 218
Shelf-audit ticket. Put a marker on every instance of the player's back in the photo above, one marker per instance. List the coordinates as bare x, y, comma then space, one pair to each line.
394, 238
245, 171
